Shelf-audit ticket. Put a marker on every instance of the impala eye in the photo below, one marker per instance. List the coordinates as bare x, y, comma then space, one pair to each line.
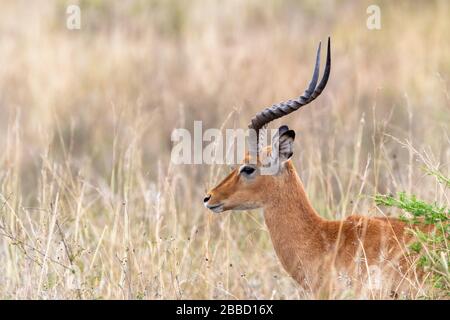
247, 170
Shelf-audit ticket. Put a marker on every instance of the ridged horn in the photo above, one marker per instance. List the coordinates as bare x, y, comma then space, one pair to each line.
312, 92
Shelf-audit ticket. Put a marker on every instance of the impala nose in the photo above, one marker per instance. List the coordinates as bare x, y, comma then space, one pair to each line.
206, 199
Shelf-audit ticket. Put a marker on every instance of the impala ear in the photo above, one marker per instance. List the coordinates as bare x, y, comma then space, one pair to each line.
285, 143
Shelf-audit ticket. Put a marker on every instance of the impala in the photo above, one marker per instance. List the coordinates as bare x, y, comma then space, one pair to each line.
312, 250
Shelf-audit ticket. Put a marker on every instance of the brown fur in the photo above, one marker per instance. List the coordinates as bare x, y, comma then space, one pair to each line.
309, 247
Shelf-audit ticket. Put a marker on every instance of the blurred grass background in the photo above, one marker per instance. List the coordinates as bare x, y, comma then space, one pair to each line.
91, 206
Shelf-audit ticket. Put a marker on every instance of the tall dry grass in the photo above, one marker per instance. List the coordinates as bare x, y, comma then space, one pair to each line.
90, 205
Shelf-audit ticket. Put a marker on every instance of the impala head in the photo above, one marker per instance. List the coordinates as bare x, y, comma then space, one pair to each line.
245, 187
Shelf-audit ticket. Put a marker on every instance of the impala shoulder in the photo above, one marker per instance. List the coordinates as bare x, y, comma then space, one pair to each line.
356, 220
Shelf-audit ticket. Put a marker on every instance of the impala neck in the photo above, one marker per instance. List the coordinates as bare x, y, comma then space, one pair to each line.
291, 206
293, 223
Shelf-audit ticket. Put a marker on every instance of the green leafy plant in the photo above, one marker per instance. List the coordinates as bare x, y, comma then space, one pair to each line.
432, 247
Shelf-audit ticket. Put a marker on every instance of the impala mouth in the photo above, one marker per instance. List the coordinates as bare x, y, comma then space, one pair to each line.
217, 208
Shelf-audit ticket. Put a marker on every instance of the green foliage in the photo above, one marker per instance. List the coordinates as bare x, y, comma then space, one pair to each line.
432, 247
421, 211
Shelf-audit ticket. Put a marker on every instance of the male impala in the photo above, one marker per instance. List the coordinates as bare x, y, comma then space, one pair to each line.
310, 248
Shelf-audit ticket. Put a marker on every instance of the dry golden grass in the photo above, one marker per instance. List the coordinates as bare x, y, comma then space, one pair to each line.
90, 206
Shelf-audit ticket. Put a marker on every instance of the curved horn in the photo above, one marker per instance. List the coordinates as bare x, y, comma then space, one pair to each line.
284, 108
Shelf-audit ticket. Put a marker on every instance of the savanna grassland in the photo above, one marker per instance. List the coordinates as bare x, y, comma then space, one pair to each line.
91, 206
